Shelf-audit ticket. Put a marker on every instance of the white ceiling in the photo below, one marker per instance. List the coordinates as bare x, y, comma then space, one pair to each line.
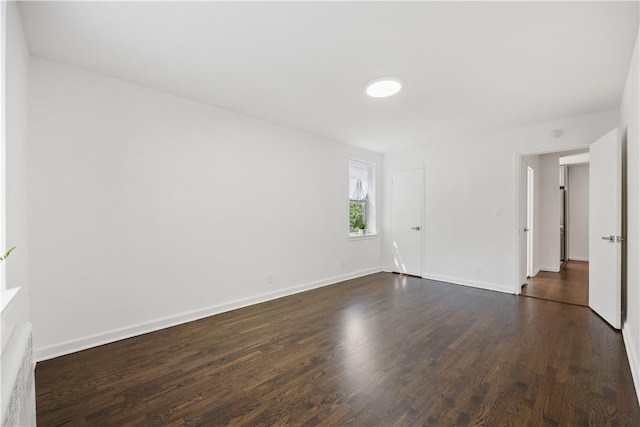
468, 67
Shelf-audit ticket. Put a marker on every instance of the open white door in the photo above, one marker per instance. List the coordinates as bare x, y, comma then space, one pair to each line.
529, 229
406, 221
605, 225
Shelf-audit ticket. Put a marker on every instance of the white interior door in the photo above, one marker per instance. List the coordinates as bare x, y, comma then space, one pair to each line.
529, 228
605, 224
406, 221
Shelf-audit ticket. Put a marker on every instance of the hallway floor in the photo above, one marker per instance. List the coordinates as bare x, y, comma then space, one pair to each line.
570, 285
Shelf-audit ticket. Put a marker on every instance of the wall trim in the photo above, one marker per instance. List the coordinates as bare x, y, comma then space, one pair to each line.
578, 258
6, 296
470, 283
632, 355
72, 346
550, 269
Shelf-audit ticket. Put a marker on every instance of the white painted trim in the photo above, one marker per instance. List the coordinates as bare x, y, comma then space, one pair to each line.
632, 355
107, 337
536, 271
551, 150
6, 296
470, 283
550, 269
373, 200
578, 258
356, 237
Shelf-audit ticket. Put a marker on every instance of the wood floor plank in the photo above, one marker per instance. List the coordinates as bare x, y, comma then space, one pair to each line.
380, 350
570, 285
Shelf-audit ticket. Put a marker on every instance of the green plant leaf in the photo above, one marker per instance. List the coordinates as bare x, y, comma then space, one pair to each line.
6, 255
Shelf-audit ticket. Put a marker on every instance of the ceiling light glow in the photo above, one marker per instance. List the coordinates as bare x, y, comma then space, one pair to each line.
383, 87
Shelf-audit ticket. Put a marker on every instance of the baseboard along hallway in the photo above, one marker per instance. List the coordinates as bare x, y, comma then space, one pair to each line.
383, 349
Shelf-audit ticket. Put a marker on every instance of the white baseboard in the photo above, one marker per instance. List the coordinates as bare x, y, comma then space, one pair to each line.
536, 271
632, 355
550, 269
107, 337
578, 258
470, 283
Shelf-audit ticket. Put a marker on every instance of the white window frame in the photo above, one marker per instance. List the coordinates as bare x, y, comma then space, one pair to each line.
370, 202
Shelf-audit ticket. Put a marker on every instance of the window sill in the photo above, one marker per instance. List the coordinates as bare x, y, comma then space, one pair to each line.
6, 296
363, 236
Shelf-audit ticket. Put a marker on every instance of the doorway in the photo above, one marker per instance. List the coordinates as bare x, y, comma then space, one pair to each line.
570, 283
604, 235
545, 227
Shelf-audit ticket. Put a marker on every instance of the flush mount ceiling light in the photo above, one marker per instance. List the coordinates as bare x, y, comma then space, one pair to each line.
383, 87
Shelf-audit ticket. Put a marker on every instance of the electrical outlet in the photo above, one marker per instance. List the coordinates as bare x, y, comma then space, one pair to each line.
270, 278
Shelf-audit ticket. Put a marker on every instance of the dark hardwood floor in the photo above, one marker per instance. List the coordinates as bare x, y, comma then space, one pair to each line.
381, 350
570, 285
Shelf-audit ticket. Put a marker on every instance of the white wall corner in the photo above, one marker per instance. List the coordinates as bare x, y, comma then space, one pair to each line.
555, 269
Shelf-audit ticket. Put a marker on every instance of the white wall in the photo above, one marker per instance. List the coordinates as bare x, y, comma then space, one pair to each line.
470, 198
16, 94
16, 313
16, 148
630, 129
578, 212
549, 208
148, 209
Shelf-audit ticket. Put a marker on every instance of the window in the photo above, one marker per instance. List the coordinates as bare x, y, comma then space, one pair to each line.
361, 197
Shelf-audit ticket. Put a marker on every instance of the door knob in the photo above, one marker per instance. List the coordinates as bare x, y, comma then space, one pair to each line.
614, 239
416, 228
526, 229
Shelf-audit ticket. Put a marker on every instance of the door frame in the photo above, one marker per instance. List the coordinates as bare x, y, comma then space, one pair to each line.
421, 168
518, 192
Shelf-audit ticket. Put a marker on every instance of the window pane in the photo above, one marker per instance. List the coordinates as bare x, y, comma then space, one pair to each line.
356, 216
359, 179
